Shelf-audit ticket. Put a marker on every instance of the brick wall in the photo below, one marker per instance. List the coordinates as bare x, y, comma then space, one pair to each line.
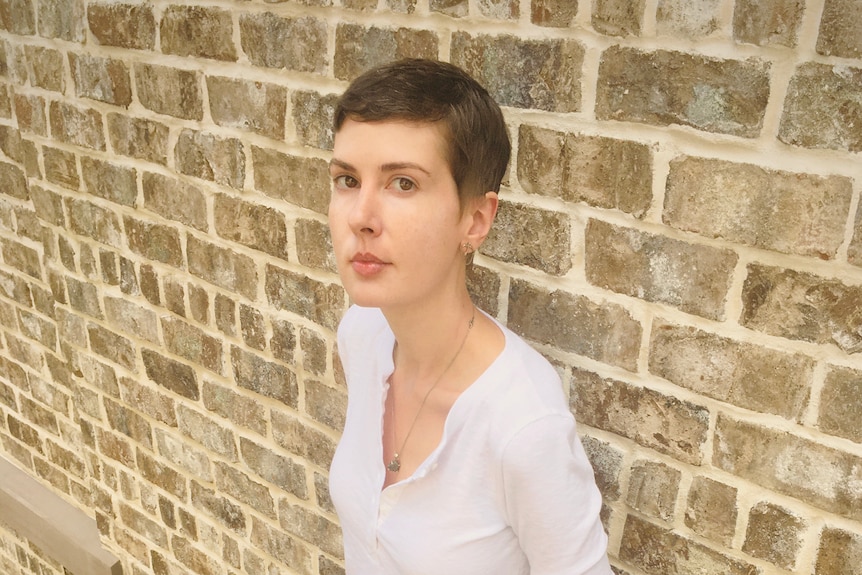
680, 233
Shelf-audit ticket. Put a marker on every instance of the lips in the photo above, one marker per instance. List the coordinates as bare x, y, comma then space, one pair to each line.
366, 264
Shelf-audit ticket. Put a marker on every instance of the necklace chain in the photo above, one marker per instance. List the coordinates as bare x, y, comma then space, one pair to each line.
395, 464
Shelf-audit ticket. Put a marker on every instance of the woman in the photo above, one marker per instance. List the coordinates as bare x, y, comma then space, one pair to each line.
459, 454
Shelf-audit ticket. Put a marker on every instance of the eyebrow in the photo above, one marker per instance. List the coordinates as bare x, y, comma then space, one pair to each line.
388, 167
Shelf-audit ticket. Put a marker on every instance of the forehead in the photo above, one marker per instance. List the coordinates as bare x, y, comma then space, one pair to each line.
388, 142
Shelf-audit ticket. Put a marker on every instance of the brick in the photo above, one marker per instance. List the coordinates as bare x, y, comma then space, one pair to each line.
320, 302
18, 17
452, 8
766, 23
21, 258
209, 157
84, 297
88, 219
143, 526
282, 472
840, 29
312, 527
275, 542
5, 102
138, 138
326, 404
271, 41
361, 5
500, 9
242, 410
602, 172
263, 377
169, 91
129, 423
657, 421
175, 200
252, 225
688, 19
38, 329
110, 181
314, 245
40, 416
224, 310
359, 48
154, 241
694, 278
185, 340
197, 561
31, 114
16, 289
533, 237
61, 167
787, 212
150, 284
13, 181
123, 25
837, 125
24, 433
63, 19
540, 74
744, 374
484, 287
102, 79
802, 306
78, 126
313, 352
199, 31
308, 178
204, 430
116, 448
46, 68
313, 115
112, 346
840, 410
839, 553
572, 323
283, 341
665, 87
711, 510
822, 476
774, 534
256, 106
854, 251
219, 508
171, 374
606, 461
302, 440
184, 455
175, 297
655, 549
252, 327
148, 401
199, 303
402, 6
618, 17
243, 488
222, 267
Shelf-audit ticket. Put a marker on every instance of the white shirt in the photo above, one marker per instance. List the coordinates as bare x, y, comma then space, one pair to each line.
508, 491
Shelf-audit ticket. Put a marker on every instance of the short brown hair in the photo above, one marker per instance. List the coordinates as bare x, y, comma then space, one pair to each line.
430, 91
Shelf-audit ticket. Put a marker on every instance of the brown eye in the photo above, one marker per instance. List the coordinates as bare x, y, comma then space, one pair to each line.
346, 182
405, 184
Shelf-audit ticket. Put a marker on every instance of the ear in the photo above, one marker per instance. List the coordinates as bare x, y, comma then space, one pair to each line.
479, 215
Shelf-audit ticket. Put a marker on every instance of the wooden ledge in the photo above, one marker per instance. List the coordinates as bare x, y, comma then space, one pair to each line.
60, 530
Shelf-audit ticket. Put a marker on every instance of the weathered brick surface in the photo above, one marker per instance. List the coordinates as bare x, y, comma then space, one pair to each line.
76, 125
222, 267
783, 211
300, 181
46, 68
123, 25
618, 17
840, 411
138, 138
711, 510
536, 238
169, 91
665, 87
255, 106
175, 199
689, 19
774, 534
840, 552
272, 41
360, 48
840, 29
304, 296
653, 489
553, 13
251, 225
762, 23
101, 79
206, 156
197, 31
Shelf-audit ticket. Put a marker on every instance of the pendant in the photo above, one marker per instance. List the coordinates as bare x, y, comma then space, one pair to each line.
394, 465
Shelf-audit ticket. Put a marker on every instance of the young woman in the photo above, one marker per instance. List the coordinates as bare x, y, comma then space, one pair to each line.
459, 454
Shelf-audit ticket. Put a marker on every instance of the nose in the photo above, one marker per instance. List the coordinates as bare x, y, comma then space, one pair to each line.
364, 216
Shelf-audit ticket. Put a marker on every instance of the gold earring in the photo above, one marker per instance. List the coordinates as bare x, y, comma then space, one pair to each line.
468, 248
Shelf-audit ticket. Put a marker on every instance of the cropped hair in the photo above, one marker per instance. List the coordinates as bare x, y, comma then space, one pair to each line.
429, 91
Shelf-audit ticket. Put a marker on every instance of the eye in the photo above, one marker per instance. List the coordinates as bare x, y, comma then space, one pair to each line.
345, 181
404, 184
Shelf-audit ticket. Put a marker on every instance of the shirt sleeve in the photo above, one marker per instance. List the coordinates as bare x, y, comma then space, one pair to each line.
552, 501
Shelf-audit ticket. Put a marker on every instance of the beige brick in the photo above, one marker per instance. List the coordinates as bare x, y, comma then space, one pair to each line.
553, 13
148, 401
102, 79
234, 482
5, 102
185, 455
38, 329
142, 525
31, 114
222, 267
93, 221
326, 404
313, 115
242, 410
169, 91
112, 346
175, 200
313, 351
854, 252
601, 172
13, 181
193, 558
282, 472
272, 41
484, 287
802, 306
256, 106
358, 48
266, 378
61, 167
46, 68
840, 411
191, 343
784, 211
711, 510
666, 87
694, 278
62, 19
302, 440
138, 138
283, 341
653, 488
655, 549
78, 126
744, 374
208, 432
604, 332
219, 508
765, 23
123, 25
308, 178
154, 241
314, 245
171, 374
774, 534
618, 17
453, 8
790, 464
541, 74
688, 19
18, 17
530, 236
320, 302
311, 527
275, 542
500, 9
840, 552
252, 225
657, 421
606, 461
110, 181
200, 31
837, 123
840, 29
209, 157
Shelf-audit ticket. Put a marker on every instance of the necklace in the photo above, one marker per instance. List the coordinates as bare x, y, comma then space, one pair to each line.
395, 464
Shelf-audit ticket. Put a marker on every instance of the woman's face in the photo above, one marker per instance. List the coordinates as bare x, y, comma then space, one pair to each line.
394, 214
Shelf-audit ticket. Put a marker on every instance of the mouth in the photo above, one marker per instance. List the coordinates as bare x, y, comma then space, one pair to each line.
366, 264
